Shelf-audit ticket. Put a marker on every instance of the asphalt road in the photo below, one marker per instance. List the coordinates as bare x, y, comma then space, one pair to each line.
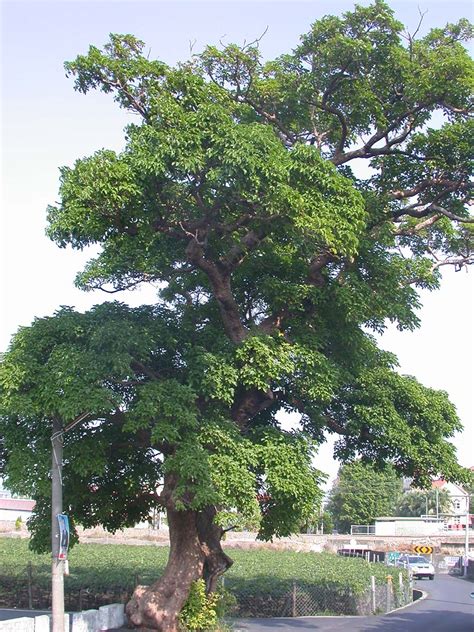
447, 608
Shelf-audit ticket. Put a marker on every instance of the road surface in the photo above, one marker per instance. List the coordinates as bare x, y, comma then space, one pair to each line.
447, 608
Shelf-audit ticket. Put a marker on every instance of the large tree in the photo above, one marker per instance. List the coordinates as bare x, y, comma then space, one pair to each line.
276, 259
361, 493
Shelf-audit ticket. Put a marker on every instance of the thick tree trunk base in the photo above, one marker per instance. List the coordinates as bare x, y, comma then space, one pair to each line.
195, 553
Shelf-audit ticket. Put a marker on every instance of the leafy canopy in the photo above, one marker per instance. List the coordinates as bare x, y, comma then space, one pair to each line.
361, 494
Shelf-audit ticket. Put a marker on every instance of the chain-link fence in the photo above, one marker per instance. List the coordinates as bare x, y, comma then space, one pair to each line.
297, 599
29, 587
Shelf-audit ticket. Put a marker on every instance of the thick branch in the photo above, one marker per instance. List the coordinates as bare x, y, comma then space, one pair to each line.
406, 232
249, 403
315, 275
222, 292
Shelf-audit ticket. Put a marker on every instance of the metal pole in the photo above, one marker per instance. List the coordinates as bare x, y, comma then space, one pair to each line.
437, 503
466, 541
57, 566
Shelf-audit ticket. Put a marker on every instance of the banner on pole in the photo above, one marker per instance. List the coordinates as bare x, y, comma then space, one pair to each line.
63, 521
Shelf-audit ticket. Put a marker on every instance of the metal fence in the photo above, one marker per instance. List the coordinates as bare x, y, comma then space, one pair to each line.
28, 587
362, 529
298, 599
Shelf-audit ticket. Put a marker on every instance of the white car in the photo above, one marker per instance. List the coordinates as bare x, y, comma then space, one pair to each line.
417, 565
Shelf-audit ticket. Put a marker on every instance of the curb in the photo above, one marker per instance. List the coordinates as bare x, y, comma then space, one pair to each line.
424, 595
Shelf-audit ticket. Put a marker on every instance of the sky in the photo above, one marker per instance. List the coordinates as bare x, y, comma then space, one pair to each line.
46, 124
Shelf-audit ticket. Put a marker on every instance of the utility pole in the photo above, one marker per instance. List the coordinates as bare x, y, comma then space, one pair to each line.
58, 562
57, 568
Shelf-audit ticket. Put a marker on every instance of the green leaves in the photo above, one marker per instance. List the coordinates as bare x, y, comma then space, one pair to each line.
167, 408
362, 493
390, 417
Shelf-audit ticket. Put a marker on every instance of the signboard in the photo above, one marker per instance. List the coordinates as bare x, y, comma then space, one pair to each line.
423, 550
392, 557
63, 521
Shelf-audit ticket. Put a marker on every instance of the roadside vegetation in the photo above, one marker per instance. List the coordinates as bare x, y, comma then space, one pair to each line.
109, 571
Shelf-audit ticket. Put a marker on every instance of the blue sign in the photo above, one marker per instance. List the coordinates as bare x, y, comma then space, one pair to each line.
63, 521
392, 557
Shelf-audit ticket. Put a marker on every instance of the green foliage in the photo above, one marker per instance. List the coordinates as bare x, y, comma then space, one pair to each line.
318, 522
200, 610
361, 493
18, 523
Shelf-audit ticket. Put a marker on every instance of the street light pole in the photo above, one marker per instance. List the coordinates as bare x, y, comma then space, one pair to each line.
57, 568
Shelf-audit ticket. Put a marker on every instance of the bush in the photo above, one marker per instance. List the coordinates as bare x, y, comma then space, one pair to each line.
200, 610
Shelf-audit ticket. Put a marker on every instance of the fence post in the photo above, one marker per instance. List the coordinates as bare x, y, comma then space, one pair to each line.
372, 590
389, 593
293, 601
29, 572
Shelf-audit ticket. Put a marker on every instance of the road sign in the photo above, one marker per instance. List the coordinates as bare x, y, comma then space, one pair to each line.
423, 550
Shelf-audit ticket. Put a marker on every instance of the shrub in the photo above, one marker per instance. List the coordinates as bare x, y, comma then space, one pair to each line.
200, 610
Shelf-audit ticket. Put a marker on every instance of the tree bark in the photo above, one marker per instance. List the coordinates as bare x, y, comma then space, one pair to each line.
216, 562
195, 553
158, 606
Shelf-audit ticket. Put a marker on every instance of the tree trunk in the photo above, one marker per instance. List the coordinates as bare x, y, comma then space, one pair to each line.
158, 606
195, 553
216, 562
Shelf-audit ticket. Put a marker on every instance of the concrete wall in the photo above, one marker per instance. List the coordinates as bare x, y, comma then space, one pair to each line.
105, 618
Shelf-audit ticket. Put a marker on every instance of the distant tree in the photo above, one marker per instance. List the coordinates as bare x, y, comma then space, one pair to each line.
361, 493
416, 502
319, 521
327, 522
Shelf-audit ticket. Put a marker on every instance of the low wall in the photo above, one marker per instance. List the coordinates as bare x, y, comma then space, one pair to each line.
105, 618
446, 543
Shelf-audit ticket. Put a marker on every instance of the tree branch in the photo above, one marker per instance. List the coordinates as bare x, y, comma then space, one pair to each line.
222, 292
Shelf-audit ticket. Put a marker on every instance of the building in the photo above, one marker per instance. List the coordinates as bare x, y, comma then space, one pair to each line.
455, 519
13, 508
400, 525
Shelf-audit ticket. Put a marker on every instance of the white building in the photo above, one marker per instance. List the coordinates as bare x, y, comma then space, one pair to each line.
13, 508
455, 518
400, 525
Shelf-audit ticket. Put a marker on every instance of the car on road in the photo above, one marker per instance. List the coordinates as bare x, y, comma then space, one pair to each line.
418, 566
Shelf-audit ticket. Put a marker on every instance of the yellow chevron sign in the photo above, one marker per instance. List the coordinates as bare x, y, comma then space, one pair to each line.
423, 550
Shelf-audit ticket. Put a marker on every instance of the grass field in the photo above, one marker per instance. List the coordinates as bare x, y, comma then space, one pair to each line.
111, 570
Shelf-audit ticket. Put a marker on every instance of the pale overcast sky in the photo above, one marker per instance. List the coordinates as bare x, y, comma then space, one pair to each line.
45, 124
